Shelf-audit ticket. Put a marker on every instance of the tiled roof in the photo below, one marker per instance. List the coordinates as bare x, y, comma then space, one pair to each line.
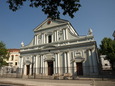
13, 50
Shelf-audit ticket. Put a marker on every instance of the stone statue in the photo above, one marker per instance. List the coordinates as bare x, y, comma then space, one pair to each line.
22, 44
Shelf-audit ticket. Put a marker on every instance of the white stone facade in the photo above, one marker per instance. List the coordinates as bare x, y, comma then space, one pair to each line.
57, 49
14, 57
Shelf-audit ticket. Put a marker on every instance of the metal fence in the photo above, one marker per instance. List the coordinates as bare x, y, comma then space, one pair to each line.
36, 73
11, 72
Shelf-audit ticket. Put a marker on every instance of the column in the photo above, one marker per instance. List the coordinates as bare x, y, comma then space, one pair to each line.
25, 70
32, 65
54, 67
45, 67
94, 61
44, 38
35, 39
65, 62
66, 30
41, 65
58, 59
52, 38
56, 64
90, 61
74, 63
21, 64
68, 62
57, 35
64, 34
36, 65
84, 63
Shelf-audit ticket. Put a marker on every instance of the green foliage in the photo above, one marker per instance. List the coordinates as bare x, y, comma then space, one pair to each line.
107, 47
49, 7
3, 54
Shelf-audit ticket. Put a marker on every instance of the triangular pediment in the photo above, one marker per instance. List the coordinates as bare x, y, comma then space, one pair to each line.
48, 23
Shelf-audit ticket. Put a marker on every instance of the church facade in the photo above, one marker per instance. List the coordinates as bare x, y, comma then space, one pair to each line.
58, 50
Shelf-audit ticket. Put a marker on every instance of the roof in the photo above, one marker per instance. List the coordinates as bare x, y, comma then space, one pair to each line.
13, 50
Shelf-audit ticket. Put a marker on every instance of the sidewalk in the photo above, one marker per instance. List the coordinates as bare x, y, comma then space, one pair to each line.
43, 82
46, 82
105, 83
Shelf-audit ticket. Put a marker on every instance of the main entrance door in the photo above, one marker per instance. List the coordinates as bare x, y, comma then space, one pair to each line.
50, 67
28, 69
79, 68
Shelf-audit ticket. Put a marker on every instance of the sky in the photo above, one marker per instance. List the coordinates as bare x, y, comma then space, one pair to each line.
15, 27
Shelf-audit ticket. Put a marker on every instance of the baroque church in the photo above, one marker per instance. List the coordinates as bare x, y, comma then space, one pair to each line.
58, 50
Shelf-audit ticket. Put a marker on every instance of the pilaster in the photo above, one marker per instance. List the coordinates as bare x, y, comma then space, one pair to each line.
41, 65
58, 58
66, 33
56, 63
35, 39
91, 61
57, 35
65, 62
68, 62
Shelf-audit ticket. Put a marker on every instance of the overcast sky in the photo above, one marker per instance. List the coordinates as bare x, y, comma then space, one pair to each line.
18, 26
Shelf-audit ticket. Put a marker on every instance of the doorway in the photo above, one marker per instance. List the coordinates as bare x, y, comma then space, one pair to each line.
79, 68
28, 69
50, 67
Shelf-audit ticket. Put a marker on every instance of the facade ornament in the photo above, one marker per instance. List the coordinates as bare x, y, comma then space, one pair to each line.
90, 32
22, 44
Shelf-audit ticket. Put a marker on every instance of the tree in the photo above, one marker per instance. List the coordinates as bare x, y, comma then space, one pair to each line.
107, 47
49, 7
3, 54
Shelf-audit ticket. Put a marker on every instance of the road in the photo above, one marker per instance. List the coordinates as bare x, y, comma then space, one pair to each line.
42, 82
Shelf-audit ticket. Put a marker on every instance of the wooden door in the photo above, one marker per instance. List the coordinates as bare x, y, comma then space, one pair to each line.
79, 68
28, 69
50, 68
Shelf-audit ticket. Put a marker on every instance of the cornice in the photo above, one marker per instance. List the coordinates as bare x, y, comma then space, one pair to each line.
71, 41
86, 45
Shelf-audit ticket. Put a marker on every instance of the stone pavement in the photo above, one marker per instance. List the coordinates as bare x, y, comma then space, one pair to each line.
43, 82
105, 83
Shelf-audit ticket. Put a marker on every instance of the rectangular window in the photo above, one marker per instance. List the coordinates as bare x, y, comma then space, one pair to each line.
12, 57
15, 63
49, 38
